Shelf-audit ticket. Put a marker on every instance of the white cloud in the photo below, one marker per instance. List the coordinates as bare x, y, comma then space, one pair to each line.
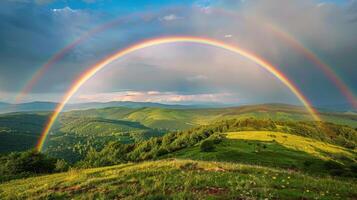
156, 96
170, 17
65, 10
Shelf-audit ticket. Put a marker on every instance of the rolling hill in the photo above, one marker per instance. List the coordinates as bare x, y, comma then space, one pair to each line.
188, 118
226, 159
25, 127
179, 179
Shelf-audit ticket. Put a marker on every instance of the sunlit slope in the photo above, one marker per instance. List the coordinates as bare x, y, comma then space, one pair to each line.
276, 149
313, 147
179, 179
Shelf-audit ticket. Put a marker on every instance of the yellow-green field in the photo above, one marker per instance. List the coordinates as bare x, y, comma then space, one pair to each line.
179, 179
308, 145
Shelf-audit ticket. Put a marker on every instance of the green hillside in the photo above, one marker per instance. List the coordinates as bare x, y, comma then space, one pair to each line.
75, 132
179, 179
228, 159
274, 149
187, 118
74, 137
20, 131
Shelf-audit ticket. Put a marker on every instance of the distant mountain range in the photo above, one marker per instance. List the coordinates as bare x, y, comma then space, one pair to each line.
50, 106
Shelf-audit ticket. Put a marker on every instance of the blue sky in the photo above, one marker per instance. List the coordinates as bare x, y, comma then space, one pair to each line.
31, 31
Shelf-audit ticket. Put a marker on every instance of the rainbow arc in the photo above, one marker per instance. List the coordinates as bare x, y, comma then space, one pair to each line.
82, 79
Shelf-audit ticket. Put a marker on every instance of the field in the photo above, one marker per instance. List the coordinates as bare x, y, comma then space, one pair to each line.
180, 179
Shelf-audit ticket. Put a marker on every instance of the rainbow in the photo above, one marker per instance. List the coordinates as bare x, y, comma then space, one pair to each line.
61, 53
297, 45
167, 40
326, 69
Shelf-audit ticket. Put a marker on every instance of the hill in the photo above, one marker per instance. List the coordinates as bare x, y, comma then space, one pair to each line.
81, 129
188, 118
179, 179
20, 131
273, 149
228, 159
50, 106
75, 136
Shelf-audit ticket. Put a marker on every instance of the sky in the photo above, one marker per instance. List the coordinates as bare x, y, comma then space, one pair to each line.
33, 31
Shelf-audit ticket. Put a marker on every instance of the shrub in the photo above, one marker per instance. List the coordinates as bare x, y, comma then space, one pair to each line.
207, 146
335, 168
61, 166
162, 151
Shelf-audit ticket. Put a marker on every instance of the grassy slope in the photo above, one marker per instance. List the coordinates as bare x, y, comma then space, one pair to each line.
286, 151
307, 145
179, 179
187, 118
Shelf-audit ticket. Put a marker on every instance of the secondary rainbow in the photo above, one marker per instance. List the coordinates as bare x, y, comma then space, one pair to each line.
326, 69
61, 53
167, 40
300, 47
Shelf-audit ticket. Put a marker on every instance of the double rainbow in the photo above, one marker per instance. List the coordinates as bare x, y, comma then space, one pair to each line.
167, 40
285, 36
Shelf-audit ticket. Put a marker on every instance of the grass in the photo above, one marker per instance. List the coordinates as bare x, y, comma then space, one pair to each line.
179, 179
272, 149
313, 147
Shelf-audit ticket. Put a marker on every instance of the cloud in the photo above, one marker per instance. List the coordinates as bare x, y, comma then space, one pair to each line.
170, 17
156, 96
64, 10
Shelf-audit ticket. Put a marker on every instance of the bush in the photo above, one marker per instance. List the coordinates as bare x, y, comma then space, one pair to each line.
162, 151
23, 164
335, 168
61, 166
207, 146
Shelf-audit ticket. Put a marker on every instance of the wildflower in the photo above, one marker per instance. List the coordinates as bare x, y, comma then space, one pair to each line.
307, 190
274, 177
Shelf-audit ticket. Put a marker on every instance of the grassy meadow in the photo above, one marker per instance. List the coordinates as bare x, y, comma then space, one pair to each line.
180, 179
